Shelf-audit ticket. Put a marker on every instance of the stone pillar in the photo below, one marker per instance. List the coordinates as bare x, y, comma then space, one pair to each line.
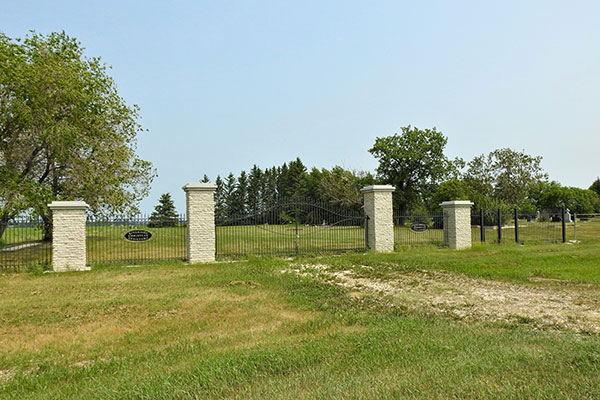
378, 207
200, 205
457, 224
68, 236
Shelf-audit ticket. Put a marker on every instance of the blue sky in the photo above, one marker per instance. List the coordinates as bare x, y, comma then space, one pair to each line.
225, 85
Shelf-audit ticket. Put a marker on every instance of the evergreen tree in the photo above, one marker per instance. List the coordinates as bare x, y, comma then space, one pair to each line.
269, 188
297, 179
220, 207
240, 194
164, 213
596, 186
228, 194
205, 179
282, 180
255, 190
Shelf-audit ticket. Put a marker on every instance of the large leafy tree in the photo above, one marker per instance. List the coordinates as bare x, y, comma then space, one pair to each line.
414, 162
65, 133
505, 175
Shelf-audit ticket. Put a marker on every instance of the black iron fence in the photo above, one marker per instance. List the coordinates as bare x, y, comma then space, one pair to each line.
505, 225
135, 239
418, 229
291, 227
22, 244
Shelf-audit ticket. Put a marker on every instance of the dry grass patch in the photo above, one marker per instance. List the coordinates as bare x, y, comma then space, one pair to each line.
569, 305
79, 316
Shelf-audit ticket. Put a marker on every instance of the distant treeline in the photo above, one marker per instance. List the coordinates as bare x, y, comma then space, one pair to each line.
254, 191
415, 163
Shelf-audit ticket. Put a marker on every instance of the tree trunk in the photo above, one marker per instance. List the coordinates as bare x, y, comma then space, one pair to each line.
47, 227
3, 223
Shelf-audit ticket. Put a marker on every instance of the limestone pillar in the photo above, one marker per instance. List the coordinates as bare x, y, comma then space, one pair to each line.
379, 209
68, 236
200, 206
457, 224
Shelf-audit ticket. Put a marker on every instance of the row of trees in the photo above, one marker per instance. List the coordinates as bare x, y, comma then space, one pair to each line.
256, 190
413, 161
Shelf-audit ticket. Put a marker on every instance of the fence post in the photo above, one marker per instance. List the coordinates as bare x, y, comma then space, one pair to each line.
380, 222
499, 225
457, 223
516, 225
564, 225
200, 207
68, 236
482, 224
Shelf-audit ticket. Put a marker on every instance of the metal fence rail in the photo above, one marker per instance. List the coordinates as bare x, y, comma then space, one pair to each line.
413, 230
293, 226
505, 225
22, 244
135, 239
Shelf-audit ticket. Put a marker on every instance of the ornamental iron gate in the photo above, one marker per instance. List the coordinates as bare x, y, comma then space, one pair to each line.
292, 226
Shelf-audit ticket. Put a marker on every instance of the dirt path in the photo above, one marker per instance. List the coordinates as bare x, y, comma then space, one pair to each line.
559, 304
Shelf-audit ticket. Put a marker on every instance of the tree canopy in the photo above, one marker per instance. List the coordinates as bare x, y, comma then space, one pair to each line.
505, 175
414, 162
551, 196
65, 133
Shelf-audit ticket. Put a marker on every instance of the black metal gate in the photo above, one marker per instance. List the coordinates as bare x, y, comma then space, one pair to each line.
291, 227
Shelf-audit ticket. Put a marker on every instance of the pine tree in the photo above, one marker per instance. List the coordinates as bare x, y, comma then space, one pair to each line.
240, 194
255, 190
164, 213
228, 194
205, 179
269, 187
297, 179
282, 180
220, 207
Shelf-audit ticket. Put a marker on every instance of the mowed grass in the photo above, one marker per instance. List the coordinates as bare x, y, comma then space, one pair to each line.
107, 243
247, 330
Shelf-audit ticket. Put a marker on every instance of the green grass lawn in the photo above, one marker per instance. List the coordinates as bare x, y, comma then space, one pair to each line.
246, 330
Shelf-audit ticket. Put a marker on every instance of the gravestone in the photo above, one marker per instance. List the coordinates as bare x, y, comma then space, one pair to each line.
568, 216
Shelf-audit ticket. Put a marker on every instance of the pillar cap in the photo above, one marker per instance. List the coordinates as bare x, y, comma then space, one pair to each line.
378, 188
200, 187
68, 205
456, 204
